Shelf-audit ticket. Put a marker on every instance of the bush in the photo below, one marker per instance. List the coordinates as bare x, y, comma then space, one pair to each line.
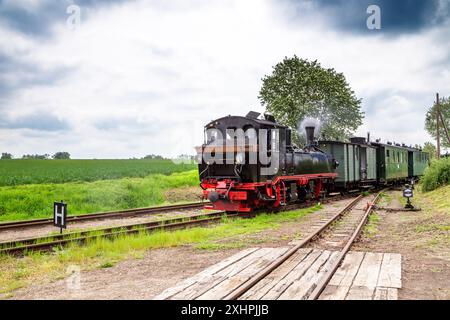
436, 175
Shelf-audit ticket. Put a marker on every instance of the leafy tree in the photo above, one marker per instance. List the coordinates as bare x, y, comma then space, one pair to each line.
430, 121
154, 157
299, 88
36, 156
61, 155
6, 156
430, 148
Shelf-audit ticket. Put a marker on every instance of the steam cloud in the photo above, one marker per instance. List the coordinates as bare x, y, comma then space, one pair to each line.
310, 122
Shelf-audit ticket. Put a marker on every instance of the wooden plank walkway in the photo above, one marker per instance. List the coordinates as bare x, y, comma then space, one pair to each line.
362, 275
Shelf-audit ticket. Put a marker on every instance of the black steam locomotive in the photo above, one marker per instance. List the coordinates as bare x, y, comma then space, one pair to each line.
248, 163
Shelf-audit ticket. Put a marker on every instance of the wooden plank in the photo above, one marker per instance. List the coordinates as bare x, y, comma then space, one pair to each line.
347, 271
386, 294
369, 270
391, 271
363, 287
236, 280
210, 270
266, 284
206, 283
342, 280
332, 292
294, 275
360, 293
300, 289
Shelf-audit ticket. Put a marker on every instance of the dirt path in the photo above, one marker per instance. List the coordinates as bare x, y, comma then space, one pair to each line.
425, 250
131, 279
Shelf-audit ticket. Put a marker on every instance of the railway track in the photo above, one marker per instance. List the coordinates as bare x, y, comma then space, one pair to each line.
352, 236
46, 243
100, 215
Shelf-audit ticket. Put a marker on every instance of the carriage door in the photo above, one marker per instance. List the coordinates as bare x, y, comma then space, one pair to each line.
363, 162
410, 164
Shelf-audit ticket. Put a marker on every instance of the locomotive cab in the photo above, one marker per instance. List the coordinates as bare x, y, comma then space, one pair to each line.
233, 148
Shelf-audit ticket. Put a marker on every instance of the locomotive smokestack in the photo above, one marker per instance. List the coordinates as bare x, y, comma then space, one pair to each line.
310, 135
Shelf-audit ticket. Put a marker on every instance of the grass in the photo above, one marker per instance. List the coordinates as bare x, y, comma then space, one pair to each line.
104, 253
36, 200
439, 198
436, 175
371, 227
32, 171
432, 228
385, 199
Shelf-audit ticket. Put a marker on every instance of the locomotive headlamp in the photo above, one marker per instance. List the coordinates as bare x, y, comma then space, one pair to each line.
240, 157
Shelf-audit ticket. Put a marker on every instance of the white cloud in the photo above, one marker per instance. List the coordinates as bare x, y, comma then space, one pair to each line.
168, 68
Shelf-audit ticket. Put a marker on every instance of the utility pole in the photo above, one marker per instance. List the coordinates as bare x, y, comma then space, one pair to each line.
444, 125
438, 138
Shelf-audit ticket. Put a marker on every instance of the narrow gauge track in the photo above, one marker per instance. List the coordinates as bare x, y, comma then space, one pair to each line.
100, 215
236, 294
46, 243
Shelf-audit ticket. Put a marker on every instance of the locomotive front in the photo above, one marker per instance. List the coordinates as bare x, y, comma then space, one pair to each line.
247, 163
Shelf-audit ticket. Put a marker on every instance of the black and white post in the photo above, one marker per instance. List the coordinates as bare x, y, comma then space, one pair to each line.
60, 215
408, 194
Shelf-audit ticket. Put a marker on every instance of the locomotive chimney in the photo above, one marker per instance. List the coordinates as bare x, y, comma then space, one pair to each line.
310, 135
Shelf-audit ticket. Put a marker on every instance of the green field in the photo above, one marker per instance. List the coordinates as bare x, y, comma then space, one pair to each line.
36, 200
20, 172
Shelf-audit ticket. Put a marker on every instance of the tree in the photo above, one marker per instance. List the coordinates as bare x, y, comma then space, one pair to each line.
430, 148
430, 121
36, 156
153, 157
61, 155
6, 156
298, 89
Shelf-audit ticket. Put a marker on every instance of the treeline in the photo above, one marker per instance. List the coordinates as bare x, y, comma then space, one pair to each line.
66, 155
158, 157
57, 155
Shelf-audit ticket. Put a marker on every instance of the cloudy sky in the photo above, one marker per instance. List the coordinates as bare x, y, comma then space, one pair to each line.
140, 77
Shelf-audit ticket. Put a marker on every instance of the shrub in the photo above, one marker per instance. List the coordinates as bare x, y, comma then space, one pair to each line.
436, 175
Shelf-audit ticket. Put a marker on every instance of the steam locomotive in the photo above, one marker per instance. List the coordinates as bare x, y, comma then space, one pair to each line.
250, 162
241, 185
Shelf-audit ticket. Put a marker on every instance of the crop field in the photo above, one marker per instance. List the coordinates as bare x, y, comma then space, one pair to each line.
20, 172
36, 200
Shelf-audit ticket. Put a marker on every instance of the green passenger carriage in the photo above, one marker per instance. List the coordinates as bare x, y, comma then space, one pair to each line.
357, 161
